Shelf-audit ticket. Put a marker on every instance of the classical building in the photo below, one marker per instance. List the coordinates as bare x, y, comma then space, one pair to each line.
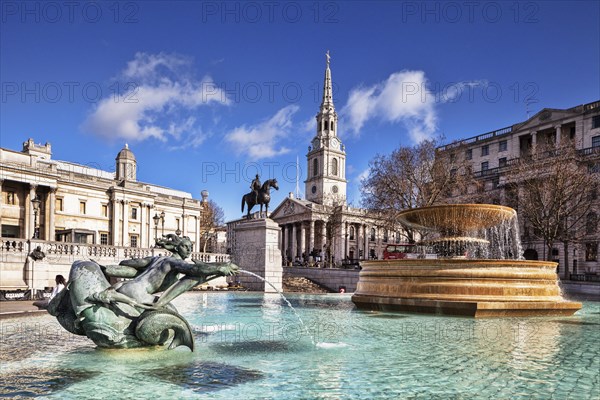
323, 226
61, 201
493, 155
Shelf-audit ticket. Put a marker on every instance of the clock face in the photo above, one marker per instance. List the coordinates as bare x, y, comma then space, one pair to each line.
334, 189
335, 142
314, 189
316, 143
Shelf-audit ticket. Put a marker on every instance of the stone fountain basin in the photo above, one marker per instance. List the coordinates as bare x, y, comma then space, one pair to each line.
480, 288
456, 217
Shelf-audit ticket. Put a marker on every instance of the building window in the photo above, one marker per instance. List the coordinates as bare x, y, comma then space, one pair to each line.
59, 204
596, 122
133, 240
502, 145
485, 166
104, 238
82, 207
595, 141
134, 213
11, 198
594, 168
469, 154
385, 236
351, 233
591, 251
315, 167
334, 167
502, 162
397, 237
485, 150
591, 223
452, 157
372, 234
105, 210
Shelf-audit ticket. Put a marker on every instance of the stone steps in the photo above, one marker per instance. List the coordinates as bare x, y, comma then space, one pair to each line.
302, 285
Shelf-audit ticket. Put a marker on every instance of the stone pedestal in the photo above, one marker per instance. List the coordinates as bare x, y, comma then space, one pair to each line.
256, 249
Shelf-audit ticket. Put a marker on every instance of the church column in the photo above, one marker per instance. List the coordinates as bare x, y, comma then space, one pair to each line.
302, 240
294, 243
346, 240
311, 237
125, 233
115, 222
323, 239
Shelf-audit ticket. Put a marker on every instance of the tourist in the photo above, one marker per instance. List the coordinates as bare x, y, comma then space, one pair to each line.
60, 285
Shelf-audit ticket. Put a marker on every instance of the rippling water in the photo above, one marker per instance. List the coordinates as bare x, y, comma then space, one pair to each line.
252, 346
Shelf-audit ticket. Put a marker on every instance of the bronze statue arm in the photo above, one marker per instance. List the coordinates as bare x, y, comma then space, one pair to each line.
137, 262
197, 273
119, 271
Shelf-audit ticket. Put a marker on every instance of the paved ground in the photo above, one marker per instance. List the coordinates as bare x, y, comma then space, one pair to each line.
11, 309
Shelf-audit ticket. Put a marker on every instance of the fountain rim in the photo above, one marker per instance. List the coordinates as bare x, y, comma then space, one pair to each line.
437, 262
402, 216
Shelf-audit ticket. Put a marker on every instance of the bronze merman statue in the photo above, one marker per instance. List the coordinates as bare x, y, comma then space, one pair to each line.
131, 313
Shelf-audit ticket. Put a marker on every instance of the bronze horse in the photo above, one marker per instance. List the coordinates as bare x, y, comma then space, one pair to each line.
264, 197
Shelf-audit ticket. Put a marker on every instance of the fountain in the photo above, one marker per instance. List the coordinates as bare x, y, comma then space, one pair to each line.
477, 275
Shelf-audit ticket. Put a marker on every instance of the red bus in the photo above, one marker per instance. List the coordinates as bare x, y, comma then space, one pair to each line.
398, 251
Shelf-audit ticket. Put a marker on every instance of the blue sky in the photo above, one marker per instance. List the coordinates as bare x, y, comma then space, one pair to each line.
208, 92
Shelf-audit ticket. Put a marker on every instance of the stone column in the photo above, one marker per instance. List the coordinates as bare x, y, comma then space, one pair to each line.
294, 243
346, 240
366, 244
197, 223
31, 217
115, 222
125, 233
558, 135
533, 140
323, 239
311, 238
283, 242
302, 240
1, 203
52, 211
184, 223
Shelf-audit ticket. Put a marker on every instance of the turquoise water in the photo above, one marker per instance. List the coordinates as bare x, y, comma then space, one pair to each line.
252, 346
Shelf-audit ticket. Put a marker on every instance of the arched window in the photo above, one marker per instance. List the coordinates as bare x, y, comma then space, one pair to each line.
334, 167
591, 223
326, 125
351, 233
315, 167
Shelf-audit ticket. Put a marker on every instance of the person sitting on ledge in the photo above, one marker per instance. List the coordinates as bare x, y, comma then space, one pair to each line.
60, 285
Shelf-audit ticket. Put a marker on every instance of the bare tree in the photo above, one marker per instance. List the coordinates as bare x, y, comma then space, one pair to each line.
212, 216
555, 195
412, 177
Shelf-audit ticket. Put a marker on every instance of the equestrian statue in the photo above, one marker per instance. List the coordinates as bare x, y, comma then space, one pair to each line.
260, 194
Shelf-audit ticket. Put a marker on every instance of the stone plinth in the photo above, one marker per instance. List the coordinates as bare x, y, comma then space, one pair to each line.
256, 249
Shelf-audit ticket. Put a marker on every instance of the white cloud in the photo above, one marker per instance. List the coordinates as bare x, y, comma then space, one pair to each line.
261, 140
159, 102
455, 91
403, 97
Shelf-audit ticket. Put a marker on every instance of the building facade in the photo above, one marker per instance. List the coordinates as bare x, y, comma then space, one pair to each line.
83, 204
493, 156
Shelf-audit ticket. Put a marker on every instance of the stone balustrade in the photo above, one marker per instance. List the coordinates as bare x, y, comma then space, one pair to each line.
17, 270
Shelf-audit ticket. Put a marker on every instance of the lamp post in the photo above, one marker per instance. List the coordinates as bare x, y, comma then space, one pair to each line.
156, 219
178, 231
162, 219
36, 207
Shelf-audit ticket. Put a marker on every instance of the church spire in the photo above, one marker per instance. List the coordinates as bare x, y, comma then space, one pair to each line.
327, 103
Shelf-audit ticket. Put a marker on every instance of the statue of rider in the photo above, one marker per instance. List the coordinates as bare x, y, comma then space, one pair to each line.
255, 187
